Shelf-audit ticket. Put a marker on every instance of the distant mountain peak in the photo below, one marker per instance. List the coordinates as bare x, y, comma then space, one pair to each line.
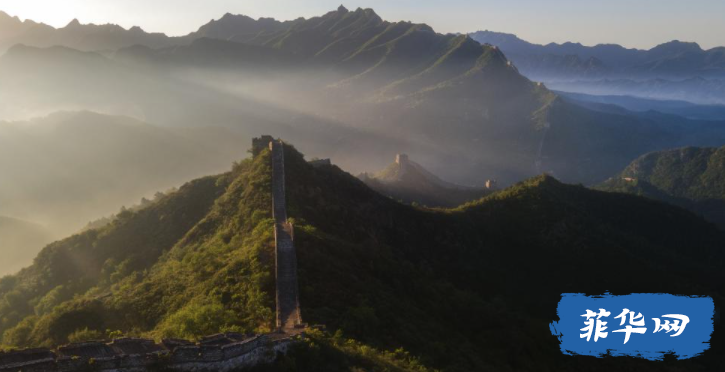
409, 182
406, 170
569, 43
367, 11
681, 45
74, 23
7, 18
229, 17
342, 9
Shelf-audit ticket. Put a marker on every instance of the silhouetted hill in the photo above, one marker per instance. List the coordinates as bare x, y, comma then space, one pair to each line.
478, 280
693, 178
407, 181
20, 242
110, 37
75, 35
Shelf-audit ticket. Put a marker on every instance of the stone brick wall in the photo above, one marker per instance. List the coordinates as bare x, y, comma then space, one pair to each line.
102, 357
288, 308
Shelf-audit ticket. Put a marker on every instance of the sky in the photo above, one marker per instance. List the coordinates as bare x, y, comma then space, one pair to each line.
632, 23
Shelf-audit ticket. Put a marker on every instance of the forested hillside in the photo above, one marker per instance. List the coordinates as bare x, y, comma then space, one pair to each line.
693, 178
461, 289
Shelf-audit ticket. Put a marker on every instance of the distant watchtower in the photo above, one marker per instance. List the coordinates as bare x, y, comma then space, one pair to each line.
403, 163
401, 159
261, 143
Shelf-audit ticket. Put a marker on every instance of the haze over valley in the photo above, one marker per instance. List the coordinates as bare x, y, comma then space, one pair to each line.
347, 85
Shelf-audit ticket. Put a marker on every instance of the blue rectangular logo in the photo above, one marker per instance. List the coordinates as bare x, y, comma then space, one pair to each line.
646, 325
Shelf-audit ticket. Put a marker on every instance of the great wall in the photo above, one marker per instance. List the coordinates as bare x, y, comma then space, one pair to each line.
288, 304
222, 352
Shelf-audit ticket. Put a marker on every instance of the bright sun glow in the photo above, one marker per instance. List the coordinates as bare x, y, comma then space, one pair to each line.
54, 13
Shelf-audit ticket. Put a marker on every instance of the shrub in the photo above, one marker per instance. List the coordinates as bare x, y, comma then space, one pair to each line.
85, 334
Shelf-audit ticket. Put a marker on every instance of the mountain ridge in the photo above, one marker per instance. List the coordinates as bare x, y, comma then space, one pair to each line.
670, 59
75, 35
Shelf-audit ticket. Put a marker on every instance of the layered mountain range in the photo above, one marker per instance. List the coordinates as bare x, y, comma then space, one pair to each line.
671, 71
694, 90
675, 59
352, 86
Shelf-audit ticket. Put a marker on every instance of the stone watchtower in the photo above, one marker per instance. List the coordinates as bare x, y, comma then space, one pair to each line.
401, 159
260, 143
403, 163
